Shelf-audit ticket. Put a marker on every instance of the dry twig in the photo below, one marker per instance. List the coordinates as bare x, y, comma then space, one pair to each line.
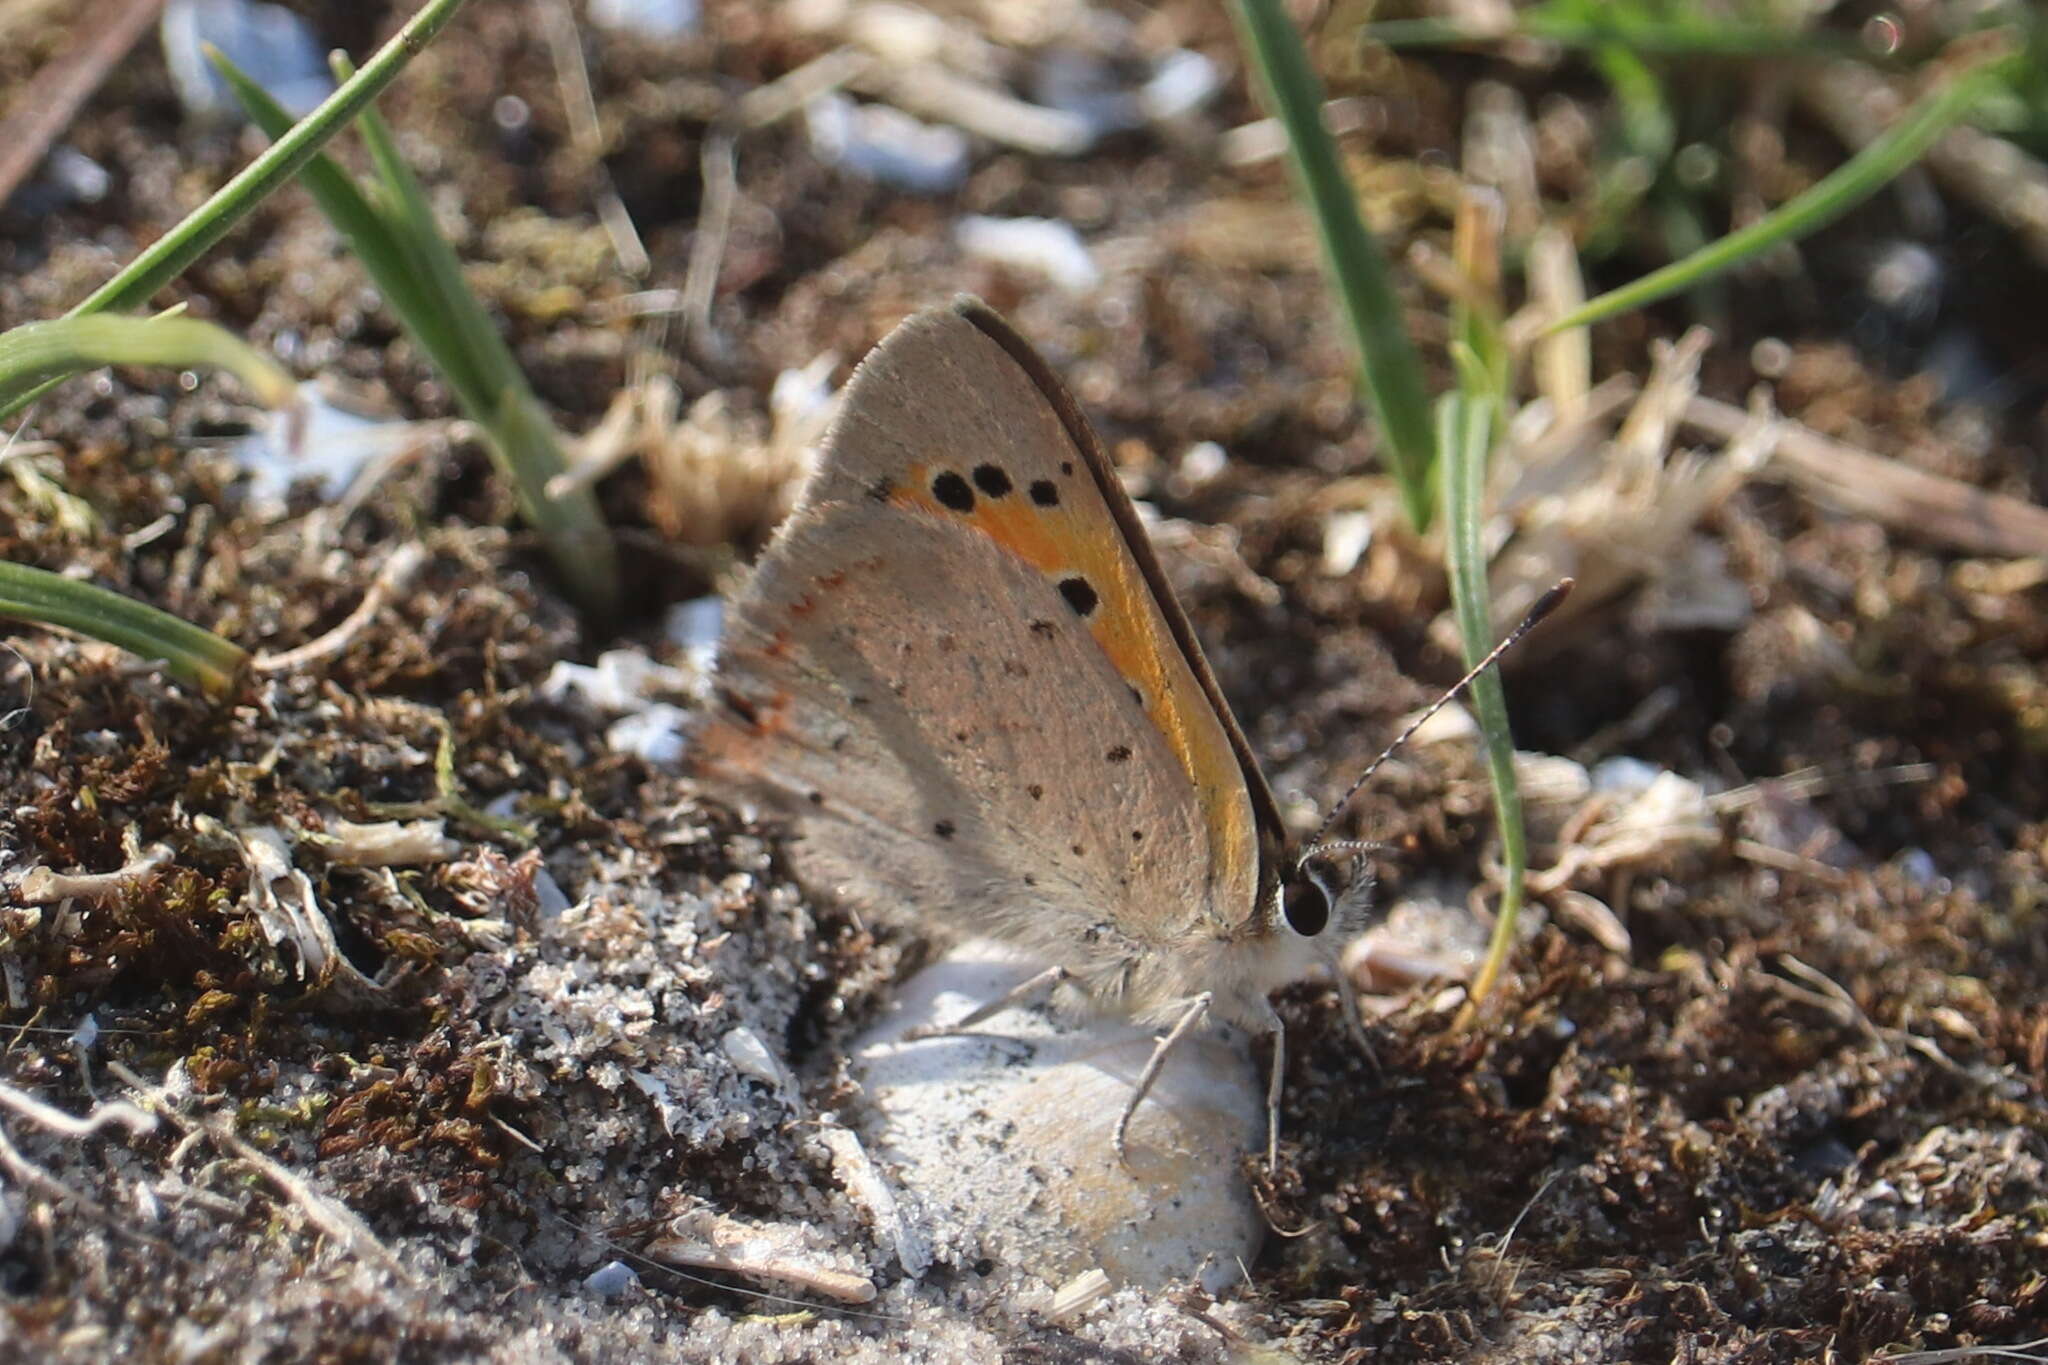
44, 107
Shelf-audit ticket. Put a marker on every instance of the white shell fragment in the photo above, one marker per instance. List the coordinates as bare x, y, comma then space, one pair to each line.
788, 1257
611, 1279
389, 843
866, 1187
627, 680
655, 734
744, 1049
1045, 246
1002, 1134
314, 439
621, 680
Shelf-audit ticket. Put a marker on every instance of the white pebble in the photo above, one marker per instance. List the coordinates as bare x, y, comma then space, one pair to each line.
271, 45
1201, 462
1346, 538
611, 1279
663, 19
656, 734
1624, 776
1181, 83
1002, 1135
696, 626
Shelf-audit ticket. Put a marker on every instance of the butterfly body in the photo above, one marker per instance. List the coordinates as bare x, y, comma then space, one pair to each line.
961, 680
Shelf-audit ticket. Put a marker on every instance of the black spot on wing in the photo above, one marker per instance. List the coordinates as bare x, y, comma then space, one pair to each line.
1045, 493
952, 491
991, 480
1120, 754
1080, 595
944, 829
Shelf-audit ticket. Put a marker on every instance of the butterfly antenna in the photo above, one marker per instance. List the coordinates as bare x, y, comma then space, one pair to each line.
1544, 606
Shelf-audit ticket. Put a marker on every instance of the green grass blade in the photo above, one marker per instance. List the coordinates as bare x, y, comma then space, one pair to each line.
1841, 190
525, 444
392, 230
1679, 35
166, 258
193, 656
39, 352
479, 360
183, 244
1387, 357
1486, 363
346, 207
1465, 431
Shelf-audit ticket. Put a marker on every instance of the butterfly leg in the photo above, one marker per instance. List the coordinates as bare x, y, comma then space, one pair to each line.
1189, 1020
1032, 988
1273, 1084
1347, 992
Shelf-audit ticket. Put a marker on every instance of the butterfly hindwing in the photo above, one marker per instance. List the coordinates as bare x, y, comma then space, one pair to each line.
954, 675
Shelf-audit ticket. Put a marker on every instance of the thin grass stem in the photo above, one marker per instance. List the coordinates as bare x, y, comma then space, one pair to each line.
1842, 189
166, 258
38, 352
1466, 424
1391, 369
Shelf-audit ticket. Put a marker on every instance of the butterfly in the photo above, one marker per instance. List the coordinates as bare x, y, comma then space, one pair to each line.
960, 677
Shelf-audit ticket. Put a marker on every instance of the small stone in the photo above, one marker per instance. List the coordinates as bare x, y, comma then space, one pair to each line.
696, 627
611, 1279
78, 176
1182, 82
657, 734
1623, 775
313, 439
887, 146
1002, 1134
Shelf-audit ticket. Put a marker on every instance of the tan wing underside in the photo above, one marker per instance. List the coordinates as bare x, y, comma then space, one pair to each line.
909, 682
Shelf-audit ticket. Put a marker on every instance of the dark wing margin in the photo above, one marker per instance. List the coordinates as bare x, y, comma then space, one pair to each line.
1265, 811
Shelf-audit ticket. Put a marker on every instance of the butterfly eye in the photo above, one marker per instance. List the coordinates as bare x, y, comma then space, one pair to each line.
1307, 907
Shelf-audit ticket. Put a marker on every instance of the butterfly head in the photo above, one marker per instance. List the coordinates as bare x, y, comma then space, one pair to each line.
1316, 901
1326, 894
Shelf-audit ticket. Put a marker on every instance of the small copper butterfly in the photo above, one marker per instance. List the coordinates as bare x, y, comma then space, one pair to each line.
961, 678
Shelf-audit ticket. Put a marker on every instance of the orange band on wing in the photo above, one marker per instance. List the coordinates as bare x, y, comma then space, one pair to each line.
1055, 541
